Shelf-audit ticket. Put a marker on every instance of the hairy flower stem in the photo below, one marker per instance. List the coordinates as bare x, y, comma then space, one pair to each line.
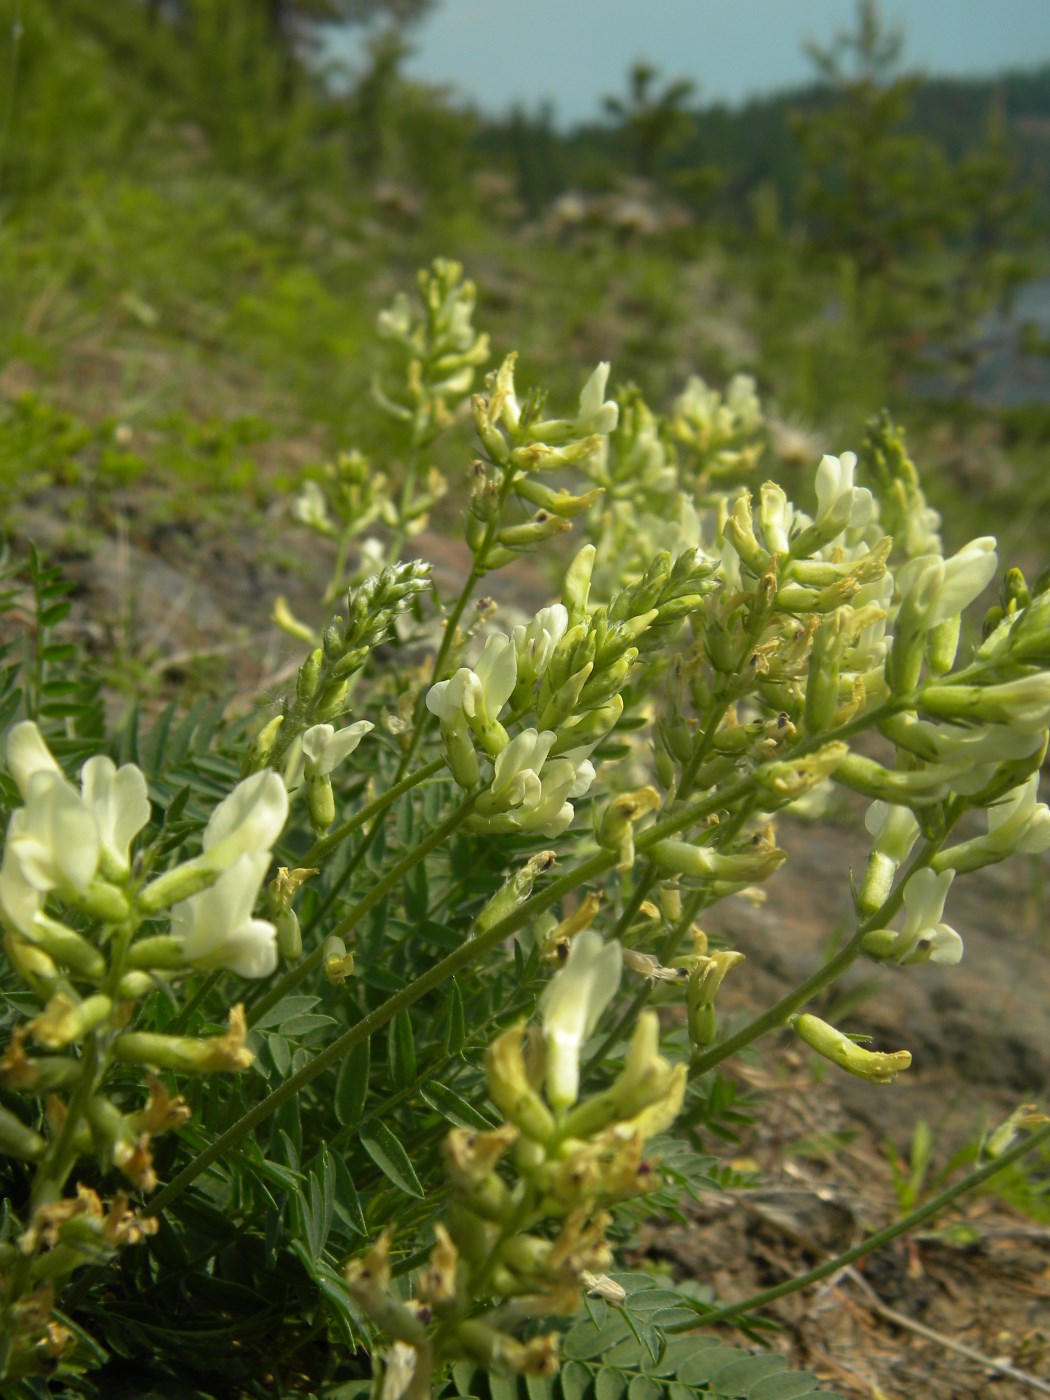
900, 1227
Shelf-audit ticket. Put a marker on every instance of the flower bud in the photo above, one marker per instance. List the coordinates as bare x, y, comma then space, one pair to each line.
186, 1054
289, 935
16, 1140
576, 588
309, 675
876, 1066
510, 1088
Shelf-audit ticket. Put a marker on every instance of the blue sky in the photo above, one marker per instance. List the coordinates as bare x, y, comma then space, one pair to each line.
571, 52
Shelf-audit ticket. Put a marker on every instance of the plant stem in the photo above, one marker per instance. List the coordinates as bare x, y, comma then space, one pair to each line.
908, 1222
397, 872
321, 847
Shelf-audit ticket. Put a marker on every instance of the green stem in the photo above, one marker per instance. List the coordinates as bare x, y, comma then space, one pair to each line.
321, 847
908, 1222
397, 872
181, 1021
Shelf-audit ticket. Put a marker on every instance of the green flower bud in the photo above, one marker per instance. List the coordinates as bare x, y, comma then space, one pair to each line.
289, 935
875, 1066
309, 675
16, 1140
321, 801
576, 588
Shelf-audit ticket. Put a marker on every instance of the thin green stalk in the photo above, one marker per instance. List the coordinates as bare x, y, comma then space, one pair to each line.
205, 989
394, 875
321, 847
908, 1222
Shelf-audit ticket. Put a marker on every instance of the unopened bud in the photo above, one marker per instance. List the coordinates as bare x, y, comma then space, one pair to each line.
877, 1066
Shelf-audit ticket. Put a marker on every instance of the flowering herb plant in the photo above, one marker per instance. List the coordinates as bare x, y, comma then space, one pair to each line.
368, 1038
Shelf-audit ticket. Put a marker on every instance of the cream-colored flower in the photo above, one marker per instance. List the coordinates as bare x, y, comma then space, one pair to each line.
571, 1006
216, 927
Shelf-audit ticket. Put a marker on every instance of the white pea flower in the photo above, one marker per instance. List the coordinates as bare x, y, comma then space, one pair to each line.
497, 670
933, 589
311, 508
480, 693
529, 791
775, 516
324, 748
894, 830
743, 402
247, 821
216, 928
515, 778
554, 812
840, 504
52, 843
571, 1007
395, 321
534, 642
117, 798
597, 414
20, 901
1018, 824
924, 938
1020, 707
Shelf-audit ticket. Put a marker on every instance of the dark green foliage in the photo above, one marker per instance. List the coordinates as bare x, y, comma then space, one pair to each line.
617, 1352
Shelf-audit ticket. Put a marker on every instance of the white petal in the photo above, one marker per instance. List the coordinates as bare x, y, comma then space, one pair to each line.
250, 819
118, 799
28, 754
343, 744
497, 670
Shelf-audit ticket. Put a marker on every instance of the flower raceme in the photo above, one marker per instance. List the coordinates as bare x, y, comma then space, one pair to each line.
77, 846
60, 839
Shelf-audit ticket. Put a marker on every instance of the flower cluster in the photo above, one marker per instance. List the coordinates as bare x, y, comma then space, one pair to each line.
494, 1269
